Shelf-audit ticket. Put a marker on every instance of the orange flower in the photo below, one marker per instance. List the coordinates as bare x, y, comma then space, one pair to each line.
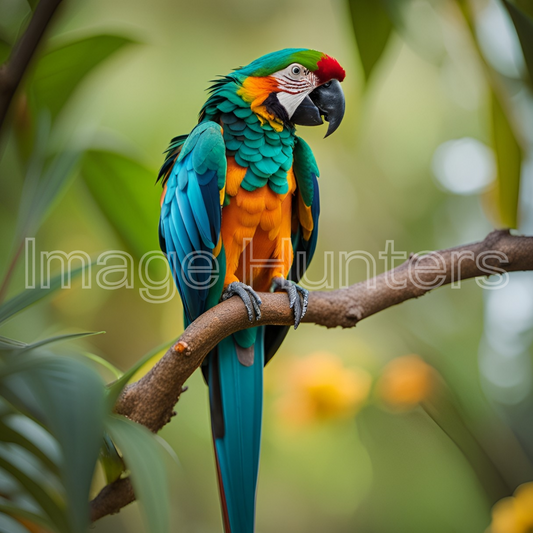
405, 382
514, 514
321, 388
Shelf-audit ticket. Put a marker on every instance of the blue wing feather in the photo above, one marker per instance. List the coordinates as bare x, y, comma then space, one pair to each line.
201, 216
310, 245
191, 213
184, 212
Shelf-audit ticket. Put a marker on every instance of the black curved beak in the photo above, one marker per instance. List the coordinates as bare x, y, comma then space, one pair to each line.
326, 100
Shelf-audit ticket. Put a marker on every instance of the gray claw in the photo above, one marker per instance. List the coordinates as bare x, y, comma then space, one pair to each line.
249, 297
294, 292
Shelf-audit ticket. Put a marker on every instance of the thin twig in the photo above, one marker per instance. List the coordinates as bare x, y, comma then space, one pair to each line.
11, 73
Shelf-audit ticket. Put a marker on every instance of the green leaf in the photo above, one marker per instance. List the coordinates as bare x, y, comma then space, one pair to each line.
61, 70
112, 179
524, 29
70, 398
505, 195
111, 461
52, 184
17, 512
54, 512
10, 435
62, 338
29, 193
11, 344
145, 459
115, 389
21, 364
30, 296
41, 189
43, 184
5, 50
372, 28
33, 177
526, 6
103, 362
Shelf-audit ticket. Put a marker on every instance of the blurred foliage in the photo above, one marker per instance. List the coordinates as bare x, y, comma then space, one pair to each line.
524, 28
505, 195
128, 178
43, 393
372, 27
60, 70
147, 468
433, 446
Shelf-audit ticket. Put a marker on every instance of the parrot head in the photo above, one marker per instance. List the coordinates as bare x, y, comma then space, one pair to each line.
294, 86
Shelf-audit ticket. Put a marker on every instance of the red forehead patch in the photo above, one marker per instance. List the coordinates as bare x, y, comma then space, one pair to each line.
328, 69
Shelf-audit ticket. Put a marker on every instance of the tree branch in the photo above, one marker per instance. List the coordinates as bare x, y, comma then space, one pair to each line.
151, 400
112, 498
11, 73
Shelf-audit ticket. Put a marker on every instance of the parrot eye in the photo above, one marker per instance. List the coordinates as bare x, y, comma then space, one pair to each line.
296, 70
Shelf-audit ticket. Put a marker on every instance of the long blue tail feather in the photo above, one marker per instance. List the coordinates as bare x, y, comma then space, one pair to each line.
236, 398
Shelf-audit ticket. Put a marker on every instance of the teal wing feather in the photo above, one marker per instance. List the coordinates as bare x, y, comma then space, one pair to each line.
306, 173
189, 226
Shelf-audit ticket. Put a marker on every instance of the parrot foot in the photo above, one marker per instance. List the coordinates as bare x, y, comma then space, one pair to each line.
298, 297
249, 297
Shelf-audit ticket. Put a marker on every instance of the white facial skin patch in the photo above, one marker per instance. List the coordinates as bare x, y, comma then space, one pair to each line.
295, 82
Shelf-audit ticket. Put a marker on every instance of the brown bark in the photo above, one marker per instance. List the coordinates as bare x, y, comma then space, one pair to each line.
151, 400
11, 73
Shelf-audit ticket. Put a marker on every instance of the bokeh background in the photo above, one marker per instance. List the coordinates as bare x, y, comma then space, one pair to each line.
429, 86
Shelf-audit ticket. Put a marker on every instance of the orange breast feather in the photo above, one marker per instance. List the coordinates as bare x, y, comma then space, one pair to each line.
258, 222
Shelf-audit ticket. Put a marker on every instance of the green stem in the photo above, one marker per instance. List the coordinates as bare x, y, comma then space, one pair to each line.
10, 272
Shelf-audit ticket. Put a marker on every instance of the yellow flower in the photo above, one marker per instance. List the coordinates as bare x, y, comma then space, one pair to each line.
514, 514
321, 388
405, 382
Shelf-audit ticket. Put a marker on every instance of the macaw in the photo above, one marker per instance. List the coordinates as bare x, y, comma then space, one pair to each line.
239, 216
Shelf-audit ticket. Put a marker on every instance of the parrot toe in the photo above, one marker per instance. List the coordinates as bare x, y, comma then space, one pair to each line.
298, 297
249, 297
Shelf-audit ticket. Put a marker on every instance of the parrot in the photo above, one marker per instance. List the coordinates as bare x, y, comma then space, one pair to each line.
239, 216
